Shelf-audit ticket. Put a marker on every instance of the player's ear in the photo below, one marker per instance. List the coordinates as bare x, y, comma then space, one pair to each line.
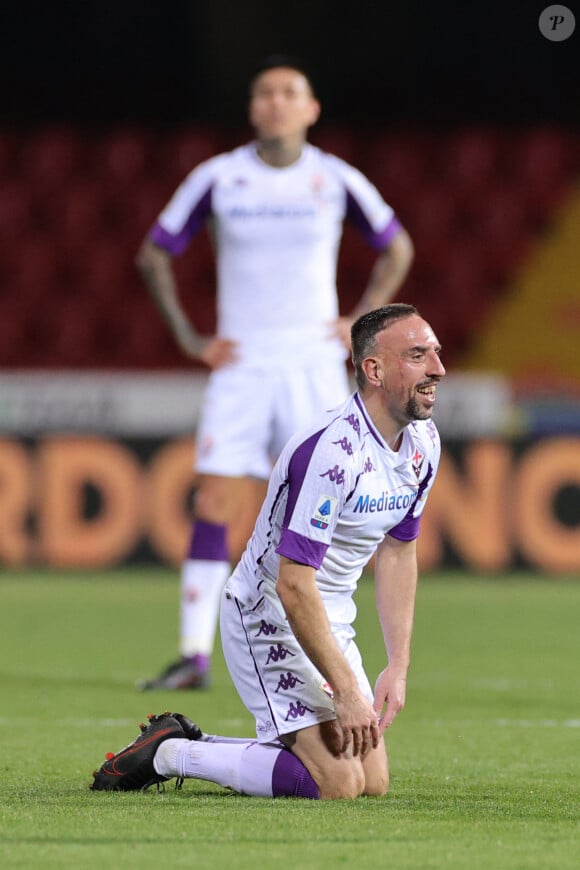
315, 109
372, 368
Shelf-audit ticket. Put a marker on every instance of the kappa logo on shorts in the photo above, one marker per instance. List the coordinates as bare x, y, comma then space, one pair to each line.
288, 681
278, 653
266, 628
320, 519
295, 711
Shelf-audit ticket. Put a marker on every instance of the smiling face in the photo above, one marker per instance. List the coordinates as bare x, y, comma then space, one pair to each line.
406, 368
282, 104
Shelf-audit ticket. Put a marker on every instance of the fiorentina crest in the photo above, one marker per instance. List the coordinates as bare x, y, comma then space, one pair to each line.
417, 462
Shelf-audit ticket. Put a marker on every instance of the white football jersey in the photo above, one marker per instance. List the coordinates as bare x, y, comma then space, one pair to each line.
277, 233
335, 492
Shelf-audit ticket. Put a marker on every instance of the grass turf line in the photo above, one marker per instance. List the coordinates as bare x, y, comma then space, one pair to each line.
484, 760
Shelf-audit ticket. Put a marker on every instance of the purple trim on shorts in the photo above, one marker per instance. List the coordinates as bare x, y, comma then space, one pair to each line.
291, 779
256, 668
208, 541
176, 244
301, 549
408, 528
376, 239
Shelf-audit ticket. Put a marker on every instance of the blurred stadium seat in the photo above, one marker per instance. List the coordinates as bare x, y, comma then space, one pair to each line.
35, 269
469, 162
81, 210
52, 157
432, 214
8, 151
69, 333
16, 211
400, 164
338, 140
124, 156
181, 151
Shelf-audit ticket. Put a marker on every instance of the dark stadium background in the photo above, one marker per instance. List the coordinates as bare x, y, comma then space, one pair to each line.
177, 61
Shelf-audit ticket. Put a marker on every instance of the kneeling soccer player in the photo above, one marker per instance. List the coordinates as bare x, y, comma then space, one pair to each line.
348, 488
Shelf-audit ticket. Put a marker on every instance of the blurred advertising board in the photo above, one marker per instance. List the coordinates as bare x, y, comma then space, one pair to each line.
96, 471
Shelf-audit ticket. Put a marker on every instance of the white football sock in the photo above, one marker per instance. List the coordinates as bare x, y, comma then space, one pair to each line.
245, 767
202, 582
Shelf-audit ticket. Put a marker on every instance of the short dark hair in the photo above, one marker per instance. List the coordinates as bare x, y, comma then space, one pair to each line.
364, 332
276, 61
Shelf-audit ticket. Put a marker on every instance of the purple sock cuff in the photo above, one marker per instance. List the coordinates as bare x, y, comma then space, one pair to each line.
208, 541
200, 661
291, 779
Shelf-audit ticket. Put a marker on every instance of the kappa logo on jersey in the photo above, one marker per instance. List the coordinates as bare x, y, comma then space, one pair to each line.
345, 444
354, 422
368, 466
417, 462
432, 430
320, 519
335, 475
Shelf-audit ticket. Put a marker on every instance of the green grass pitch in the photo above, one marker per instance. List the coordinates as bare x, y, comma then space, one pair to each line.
485, 759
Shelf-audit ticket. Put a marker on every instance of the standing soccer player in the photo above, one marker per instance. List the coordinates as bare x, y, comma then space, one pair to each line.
276, 209
352, 485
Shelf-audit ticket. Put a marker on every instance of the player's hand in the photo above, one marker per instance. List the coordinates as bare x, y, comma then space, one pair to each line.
357, 724
390, 694
340, 329
219, 352
213, 351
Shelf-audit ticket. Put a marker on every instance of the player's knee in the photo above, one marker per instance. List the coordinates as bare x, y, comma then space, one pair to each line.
211, 505
377, 783
349, 784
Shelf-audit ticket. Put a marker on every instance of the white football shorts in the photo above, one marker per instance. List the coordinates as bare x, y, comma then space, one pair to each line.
275, 679
249, 414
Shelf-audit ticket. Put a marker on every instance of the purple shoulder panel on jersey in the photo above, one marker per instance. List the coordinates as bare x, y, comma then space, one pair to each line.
301, 549
408, 528
356, 217
293, 545
297, 470
176, 244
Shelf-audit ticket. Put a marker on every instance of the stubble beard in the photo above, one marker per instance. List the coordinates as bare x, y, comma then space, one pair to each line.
414, 412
